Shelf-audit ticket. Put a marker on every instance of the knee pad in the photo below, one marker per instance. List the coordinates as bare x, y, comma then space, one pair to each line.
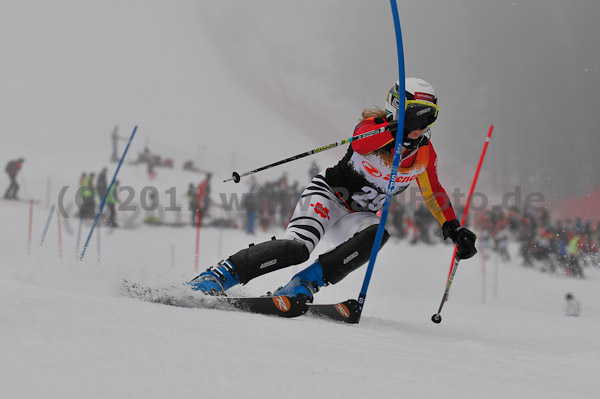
266, 257
350, 255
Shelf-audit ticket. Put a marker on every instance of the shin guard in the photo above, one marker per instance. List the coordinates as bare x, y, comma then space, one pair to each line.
350, 255
266, 257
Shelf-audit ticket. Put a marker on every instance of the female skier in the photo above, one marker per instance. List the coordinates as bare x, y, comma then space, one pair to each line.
342, 202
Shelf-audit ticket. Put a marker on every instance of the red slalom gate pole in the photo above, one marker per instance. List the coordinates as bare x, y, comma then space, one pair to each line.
30, 226
437, 318
473, 184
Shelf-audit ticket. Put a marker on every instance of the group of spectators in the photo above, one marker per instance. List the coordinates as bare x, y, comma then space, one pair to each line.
270, 204
555, 246
92, 187
152, 161
551, 245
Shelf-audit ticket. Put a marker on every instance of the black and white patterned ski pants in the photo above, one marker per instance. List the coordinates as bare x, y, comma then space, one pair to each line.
319, 214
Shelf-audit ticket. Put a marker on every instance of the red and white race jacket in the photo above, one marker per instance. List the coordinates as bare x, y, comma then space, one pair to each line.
361, 178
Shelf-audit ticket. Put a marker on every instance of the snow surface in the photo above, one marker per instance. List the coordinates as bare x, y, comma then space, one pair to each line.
73, 71
68, 332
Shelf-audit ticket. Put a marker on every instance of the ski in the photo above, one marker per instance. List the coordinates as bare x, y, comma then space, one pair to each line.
347, 311
282, 306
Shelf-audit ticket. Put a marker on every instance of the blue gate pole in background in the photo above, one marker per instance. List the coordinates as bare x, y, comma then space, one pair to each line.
87, 241
47, 224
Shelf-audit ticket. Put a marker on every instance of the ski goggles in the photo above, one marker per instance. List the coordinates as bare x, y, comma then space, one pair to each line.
419, 115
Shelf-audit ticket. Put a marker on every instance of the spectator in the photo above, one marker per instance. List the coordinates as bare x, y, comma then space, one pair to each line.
12, 169
249, 202
205, 200
192, 197
112, 200
572, 306
101, 185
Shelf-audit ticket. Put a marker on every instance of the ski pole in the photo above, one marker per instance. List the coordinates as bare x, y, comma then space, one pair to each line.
395, 163
87, 241
437, 318
236, 177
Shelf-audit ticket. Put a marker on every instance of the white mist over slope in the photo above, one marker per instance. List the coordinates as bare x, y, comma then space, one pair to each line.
193, 73
80, 68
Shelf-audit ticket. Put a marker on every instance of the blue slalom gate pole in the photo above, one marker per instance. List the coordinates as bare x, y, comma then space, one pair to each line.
98, 248
395, 163
47, 224
112, 182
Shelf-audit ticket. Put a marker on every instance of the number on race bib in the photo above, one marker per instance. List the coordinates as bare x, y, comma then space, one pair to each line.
369, 199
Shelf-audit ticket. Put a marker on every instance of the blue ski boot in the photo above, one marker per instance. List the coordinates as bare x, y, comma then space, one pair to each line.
304, 284
216, 280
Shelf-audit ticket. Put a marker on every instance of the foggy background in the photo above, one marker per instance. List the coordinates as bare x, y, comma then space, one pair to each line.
199, 76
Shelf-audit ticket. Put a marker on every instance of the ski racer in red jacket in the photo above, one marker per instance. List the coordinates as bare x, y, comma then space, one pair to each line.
341, 203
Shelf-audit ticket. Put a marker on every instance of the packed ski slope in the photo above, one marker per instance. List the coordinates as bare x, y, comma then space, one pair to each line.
68, 332
73, 70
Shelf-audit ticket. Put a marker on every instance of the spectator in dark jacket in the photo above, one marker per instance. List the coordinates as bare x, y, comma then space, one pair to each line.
101, 185
12, 169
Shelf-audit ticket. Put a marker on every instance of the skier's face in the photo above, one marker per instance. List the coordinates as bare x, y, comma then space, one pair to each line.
413, 139
415, 134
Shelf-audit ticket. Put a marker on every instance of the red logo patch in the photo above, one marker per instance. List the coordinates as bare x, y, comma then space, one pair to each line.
372, 170
424, 97
321, 210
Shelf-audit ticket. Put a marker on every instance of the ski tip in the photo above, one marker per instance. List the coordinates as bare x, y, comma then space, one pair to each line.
347, 311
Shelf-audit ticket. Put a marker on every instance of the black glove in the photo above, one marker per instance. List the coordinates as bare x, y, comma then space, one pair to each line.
462, 237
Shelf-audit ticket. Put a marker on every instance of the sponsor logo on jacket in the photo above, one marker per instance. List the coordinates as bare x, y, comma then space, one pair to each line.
373, 171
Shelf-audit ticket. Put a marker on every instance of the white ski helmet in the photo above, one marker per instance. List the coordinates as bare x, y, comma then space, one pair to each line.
415, 89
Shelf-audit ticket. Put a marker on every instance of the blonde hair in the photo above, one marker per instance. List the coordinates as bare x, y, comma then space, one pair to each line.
373, 112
